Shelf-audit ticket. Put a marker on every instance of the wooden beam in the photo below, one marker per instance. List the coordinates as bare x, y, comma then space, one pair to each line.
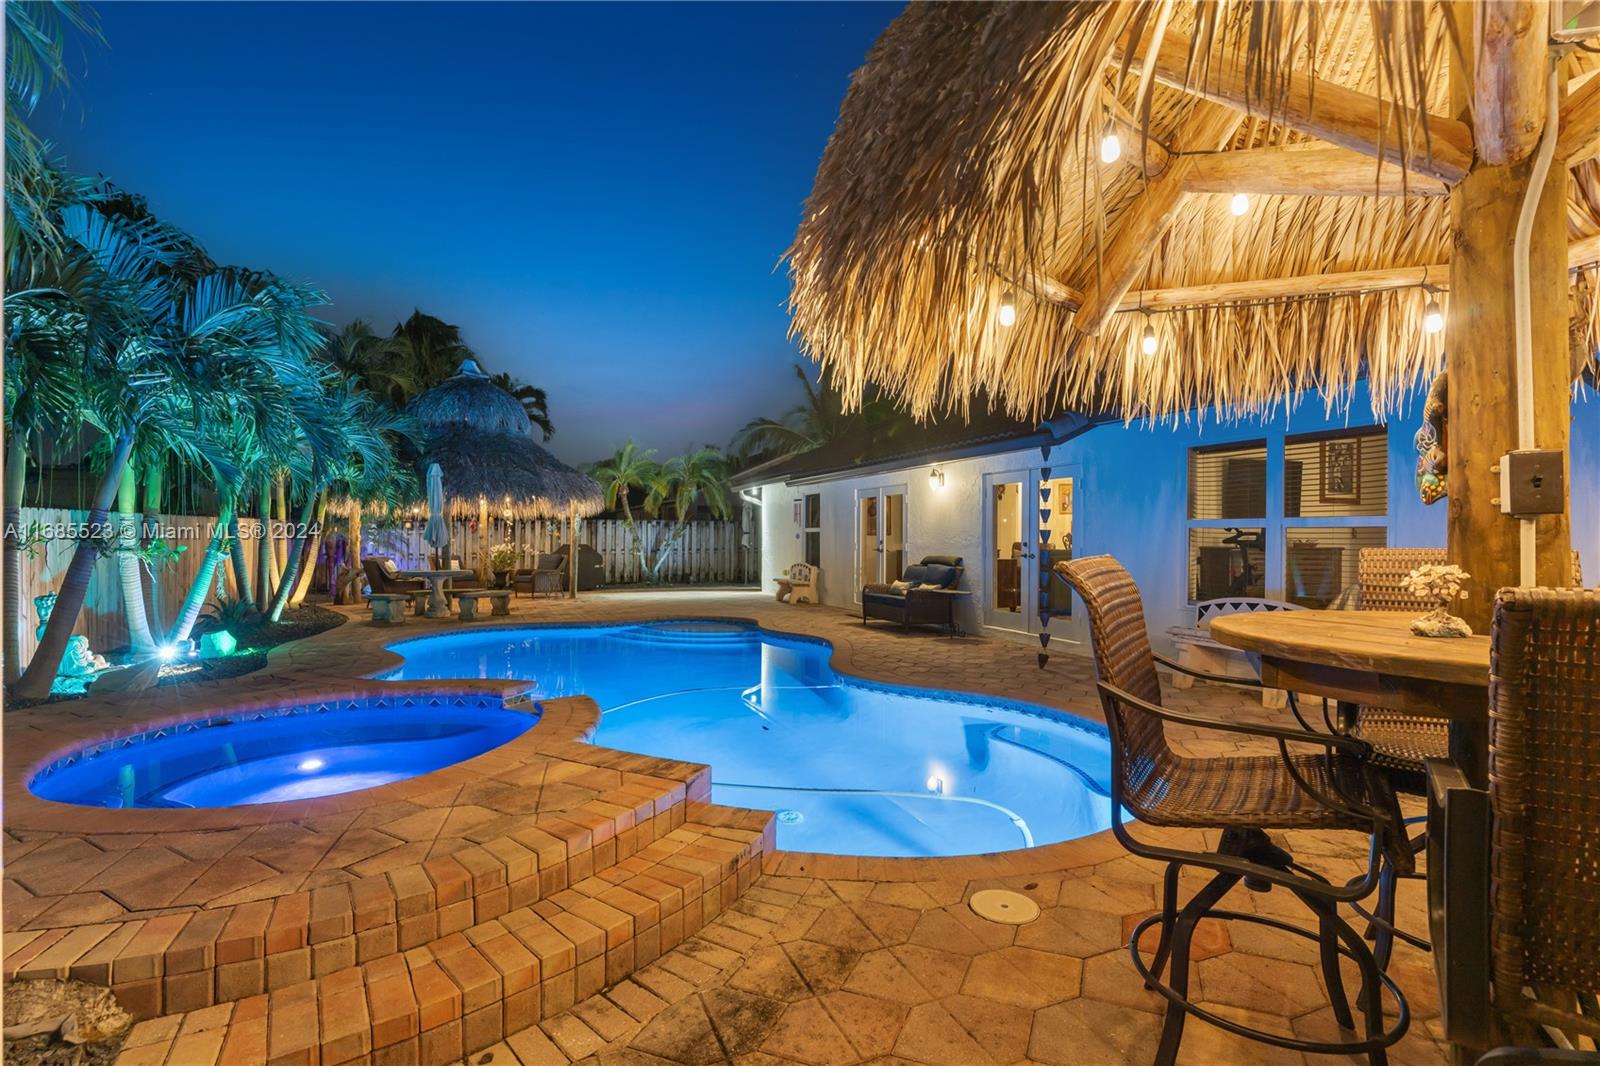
1141, 224
1342, 116
1580, 124
1581, 253
1305, 171
1155, 158
1305, 285
1508, 86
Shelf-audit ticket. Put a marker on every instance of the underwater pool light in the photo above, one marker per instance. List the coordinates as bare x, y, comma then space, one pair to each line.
312, 765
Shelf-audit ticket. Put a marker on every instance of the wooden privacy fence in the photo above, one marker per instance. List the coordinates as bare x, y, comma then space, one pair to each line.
102, 619
708, 553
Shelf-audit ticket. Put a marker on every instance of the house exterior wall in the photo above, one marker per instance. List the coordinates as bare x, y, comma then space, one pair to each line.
1131, 501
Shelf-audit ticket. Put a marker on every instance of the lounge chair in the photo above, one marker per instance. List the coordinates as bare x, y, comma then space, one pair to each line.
383, 576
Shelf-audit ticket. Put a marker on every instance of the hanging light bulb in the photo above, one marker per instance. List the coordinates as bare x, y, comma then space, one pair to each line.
1148, 343
1240, 204
1432, 317
1110, 146
1008, 310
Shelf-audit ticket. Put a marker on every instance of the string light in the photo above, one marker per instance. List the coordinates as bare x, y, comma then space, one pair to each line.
1110, 146
1432, 317
1240, 204
1149, 344
1008, 310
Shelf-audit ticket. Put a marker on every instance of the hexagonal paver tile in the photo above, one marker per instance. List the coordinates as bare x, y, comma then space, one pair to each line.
1210, 937
769, 972
806, 1032
1023, 977
880, 973
1270, 986
932, 1035
1082, 1032
872, 1025
999, 1028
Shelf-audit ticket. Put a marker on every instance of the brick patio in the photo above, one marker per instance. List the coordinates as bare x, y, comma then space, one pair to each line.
822, 960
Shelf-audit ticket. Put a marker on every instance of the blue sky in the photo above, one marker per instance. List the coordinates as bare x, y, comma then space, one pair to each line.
598, 194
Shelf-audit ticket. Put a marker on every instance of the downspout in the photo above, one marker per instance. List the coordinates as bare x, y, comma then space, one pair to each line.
1523, 296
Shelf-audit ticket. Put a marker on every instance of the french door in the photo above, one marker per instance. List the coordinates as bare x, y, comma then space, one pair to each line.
1027, 528
880, 535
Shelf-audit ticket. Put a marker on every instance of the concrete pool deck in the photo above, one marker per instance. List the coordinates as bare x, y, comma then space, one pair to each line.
823, 959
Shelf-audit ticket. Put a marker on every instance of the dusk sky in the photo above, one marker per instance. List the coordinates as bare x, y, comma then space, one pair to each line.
598, 195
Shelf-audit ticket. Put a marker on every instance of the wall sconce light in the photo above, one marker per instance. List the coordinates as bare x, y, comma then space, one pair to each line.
936, 478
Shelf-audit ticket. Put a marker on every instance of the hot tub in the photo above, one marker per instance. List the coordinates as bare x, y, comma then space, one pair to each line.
284, 753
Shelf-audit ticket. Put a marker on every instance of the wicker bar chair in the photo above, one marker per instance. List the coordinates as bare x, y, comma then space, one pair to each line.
1330, 786
1533, 968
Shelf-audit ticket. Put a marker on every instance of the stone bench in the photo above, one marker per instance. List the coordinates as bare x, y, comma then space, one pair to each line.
389, 608
499, 602
1198, 651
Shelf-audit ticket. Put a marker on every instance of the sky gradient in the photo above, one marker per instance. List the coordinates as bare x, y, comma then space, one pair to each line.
597, 194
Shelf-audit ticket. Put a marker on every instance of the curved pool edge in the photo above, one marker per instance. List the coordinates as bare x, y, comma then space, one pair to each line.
359, 651
849, 676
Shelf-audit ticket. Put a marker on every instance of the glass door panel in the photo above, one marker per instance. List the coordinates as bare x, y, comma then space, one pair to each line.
866, 539
1005, 545
892, 510
880, 535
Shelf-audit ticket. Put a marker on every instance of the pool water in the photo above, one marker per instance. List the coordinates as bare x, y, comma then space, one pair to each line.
851, 767
289, 753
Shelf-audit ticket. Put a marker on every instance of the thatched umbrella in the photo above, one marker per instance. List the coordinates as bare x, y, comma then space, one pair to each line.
483, 444
1297, 186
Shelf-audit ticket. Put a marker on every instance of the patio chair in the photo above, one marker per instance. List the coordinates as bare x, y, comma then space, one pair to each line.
1516, 919
1332, 786
383, 576
546, 577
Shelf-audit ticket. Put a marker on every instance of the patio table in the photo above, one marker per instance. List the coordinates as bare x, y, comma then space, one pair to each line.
437, 607
1373, 658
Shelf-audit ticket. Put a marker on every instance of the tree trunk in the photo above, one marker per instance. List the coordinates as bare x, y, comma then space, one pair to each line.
37, 679
129, 573
16, 473
201, 588
678, 531
154, 475
264, 547
308, 569
241, 565
293, 561
280, 516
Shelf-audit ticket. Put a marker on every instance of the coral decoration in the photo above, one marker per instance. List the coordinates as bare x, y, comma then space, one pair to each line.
1441, 585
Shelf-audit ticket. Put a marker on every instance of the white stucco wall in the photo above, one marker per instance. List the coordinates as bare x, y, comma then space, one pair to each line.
1130, 489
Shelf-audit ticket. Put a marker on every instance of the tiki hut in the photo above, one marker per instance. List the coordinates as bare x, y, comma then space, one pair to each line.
1151, 207
484, 445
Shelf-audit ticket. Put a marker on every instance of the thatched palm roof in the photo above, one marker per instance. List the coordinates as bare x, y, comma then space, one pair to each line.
484, 445
965, 166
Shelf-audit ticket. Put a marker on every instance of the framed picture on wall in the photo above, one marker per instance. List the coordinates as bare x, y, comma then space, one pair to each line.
1341, 471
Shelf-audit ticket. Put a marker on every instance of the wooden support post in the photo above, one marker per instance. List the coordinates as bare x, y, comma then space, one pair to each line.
572, 552
1481, 347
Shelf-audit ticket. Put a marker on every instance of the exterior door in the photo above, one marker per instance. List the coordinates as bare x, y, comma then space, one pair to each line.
1027, 529
880, 535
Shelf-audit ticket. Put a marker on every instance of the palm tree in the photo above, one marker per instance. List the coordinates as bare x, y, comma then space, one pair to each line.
533, 401
817, 420
630, 468
700, 476
420, 353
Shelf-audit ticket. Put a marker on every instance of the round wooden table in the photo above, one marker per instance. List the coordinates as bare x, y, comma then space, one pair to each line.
1372, 658
437, 607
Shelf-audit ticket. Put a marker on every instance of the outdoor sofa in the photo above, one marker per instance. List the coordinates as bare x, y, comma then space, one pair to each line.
922, 596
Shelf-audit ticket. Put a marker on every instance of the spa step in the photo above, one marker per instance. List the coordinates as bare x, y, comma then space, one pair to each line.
467, 990
186, 960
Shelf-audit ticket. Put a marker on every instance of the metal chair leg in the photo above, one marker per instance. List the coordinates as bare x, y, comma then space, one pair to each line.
1169, 914
1328, 949
1182, 933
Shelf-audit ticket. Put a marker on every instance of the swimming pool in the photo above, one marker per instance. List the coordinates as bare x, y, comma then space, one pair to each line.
851, 767
292, 752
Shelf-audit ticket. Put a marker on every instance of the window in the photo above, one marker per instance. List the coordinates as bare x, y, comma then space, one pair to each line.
1334, 486
1227, 507
811, 528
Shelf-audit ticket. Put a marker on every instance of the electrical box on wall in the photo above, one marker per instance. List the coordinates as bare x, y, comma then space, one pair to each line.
1532, 482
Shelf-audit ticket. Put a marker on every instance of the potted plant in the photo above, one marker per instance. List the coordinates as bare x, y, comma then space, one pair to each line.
502, 559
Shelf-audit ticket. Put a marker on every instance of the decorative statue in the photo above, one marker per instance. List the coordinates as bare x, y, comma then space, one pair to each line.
43, 605
1442, 585
1431, 441
79, 666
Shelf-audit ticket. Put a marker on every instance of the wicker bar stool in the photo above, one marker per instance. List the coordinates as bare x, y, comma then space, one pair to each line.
1244, 796
1517, 924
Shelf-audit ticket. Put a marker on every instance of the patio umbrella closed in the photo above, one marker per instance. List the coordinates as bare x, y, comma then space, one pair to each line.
437, 532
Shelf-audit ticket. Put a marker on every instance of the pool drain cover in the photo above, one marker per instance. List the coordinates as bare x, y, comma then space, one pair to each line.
791, 817
1003, 906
